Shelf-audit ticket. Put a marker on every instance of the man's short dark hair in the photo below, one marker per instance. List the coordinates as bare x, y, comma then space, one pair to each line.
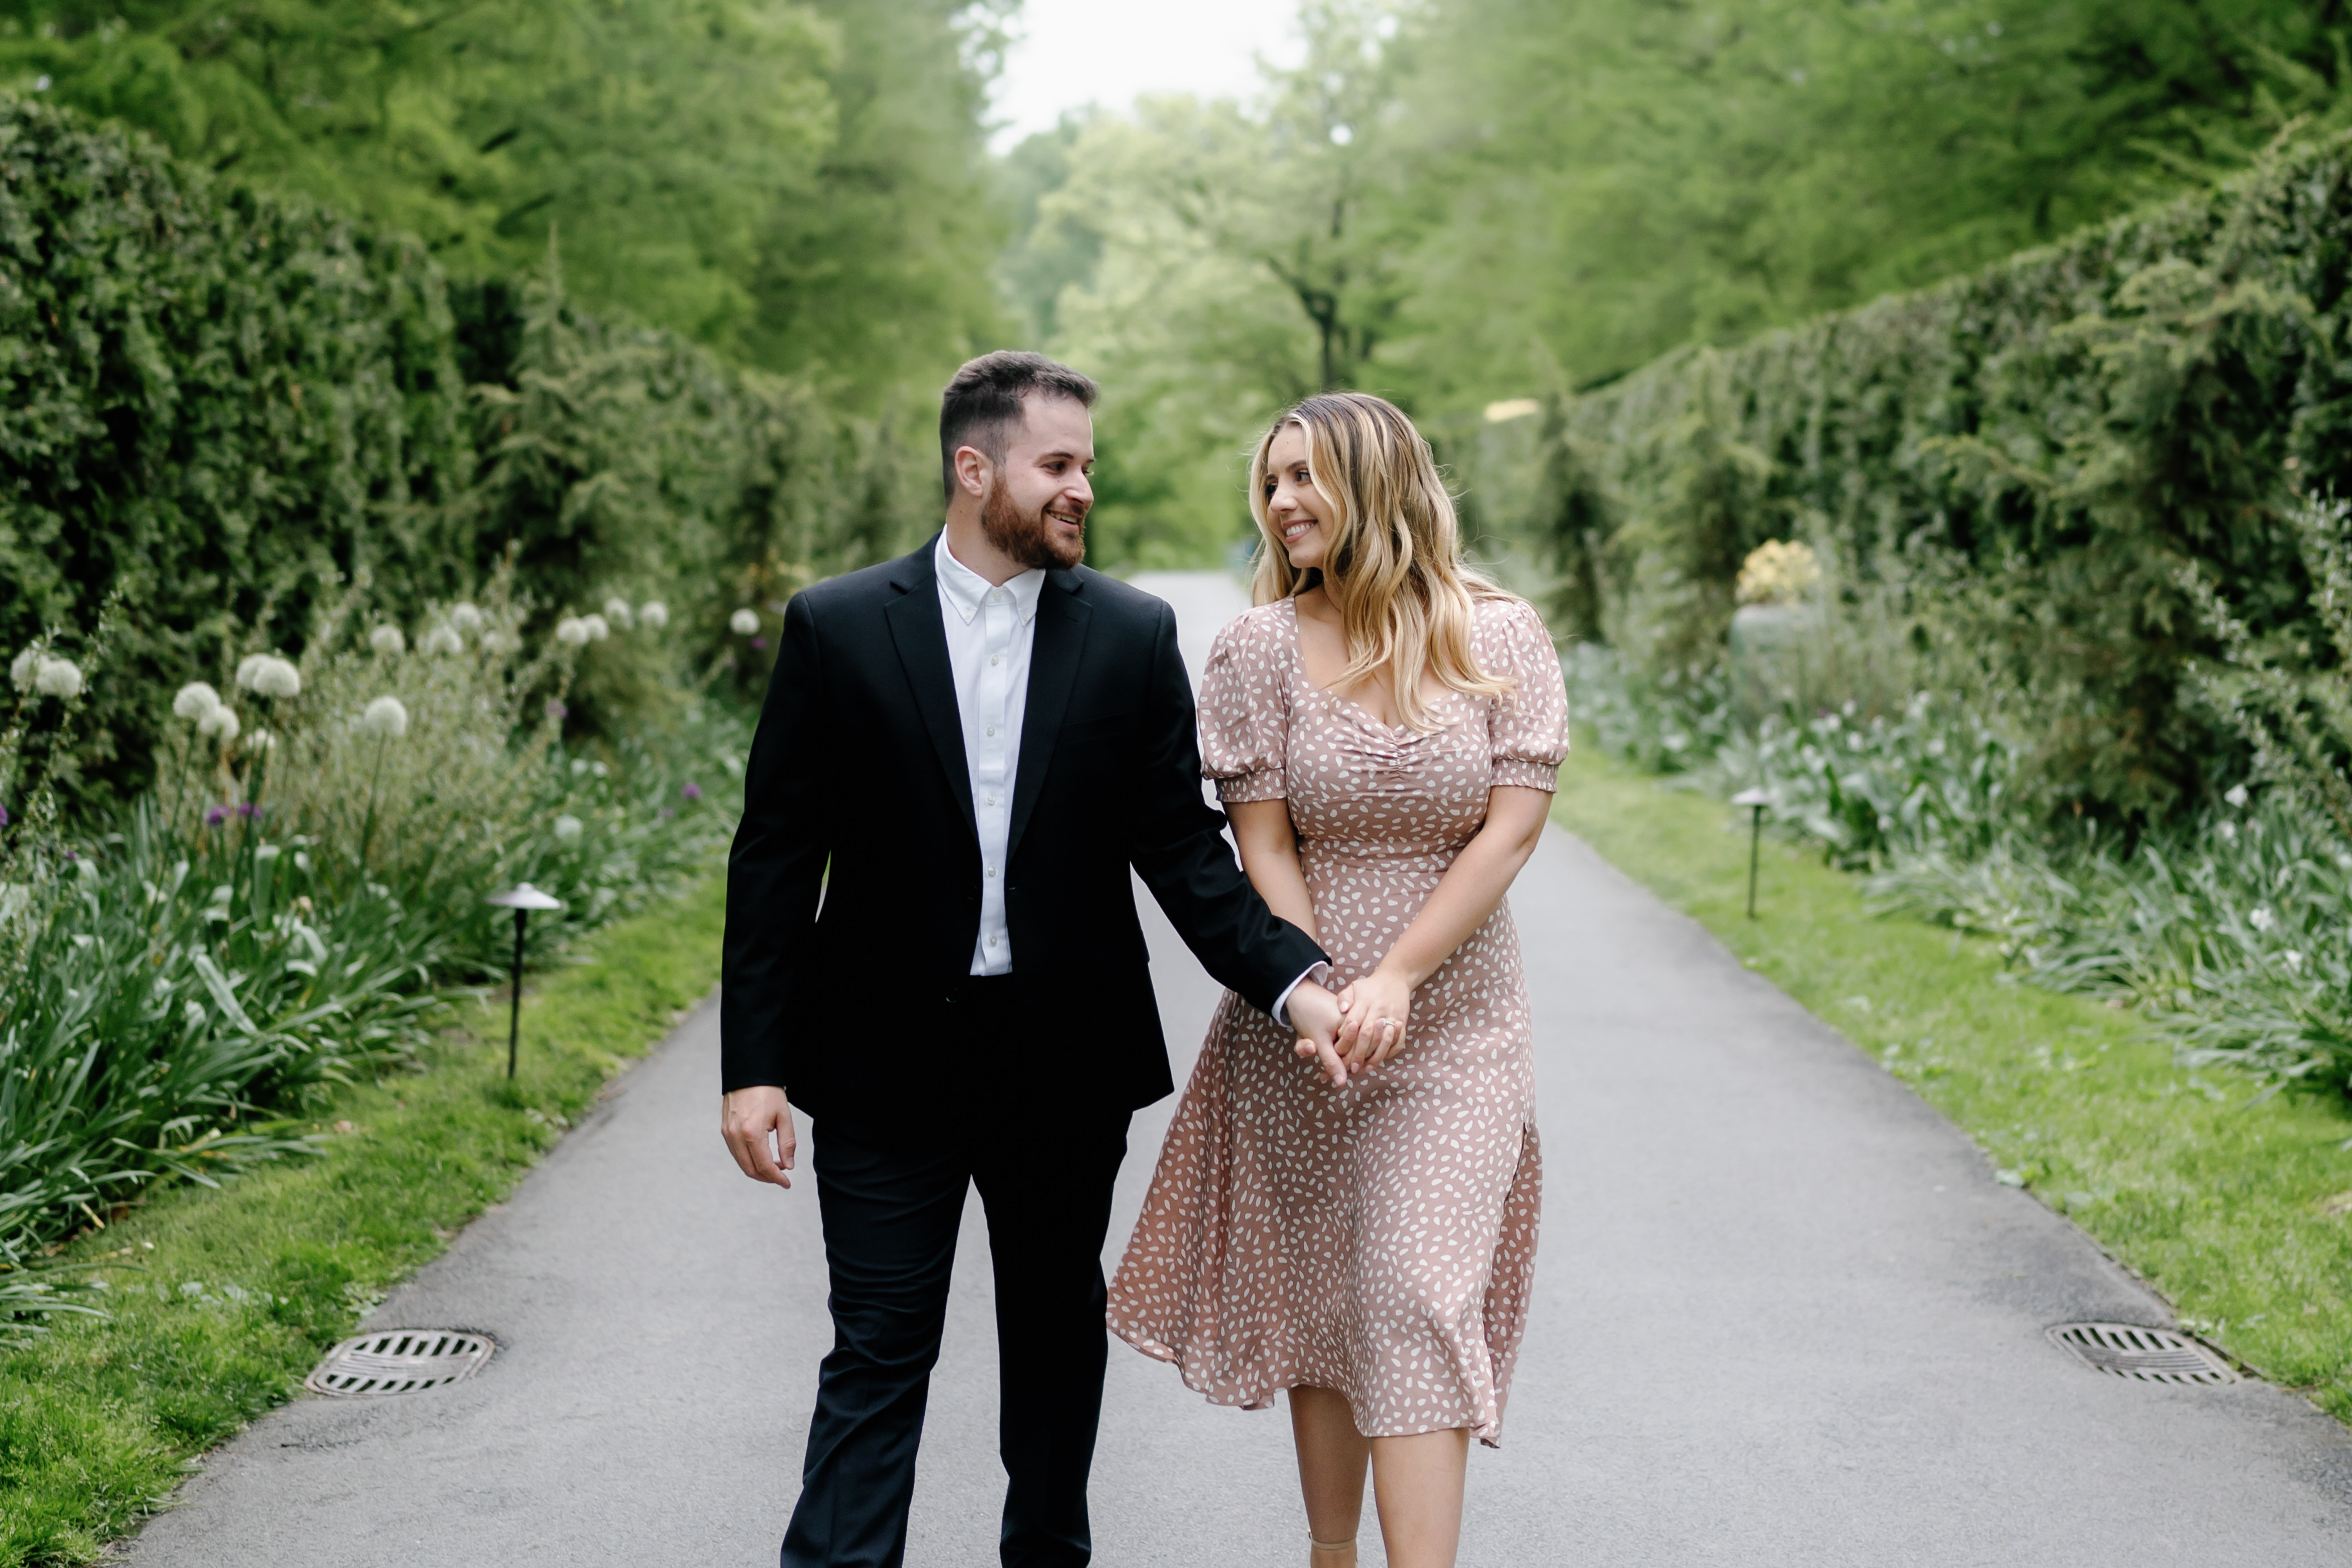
981, 406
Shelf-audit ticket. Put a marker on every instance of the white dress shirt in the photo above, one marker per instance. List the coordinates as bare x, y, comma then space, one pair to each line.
991, 630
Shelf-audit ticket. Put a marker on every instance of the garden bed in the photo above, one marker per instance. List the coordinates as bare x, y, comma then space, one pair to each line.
2231, 1204
219, 1301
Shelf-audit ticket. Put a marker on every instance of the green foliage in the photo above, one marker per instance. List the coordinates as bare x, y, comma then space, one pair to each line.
1614, 179
222, 407
270, 920
661, 138
2063, 433
219, 1301
1209, 266
874, 282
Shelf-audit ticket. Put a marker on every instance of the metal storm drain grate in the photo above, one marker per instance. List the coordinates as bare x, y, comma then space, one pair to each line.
399, 1360
2148, 1355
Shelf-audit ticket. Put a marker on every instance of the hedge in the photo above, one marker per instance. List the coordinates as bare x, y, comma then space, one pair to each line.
2073, 427
221, 405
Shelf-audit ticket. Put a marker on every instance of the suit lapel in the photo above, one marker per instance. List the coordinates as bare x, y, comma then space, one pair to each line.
922, 640
1053, 659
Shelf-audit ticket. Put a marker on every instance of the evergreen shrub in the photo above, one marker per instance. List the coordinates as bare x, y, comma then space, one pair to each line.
2071, 429
225, 407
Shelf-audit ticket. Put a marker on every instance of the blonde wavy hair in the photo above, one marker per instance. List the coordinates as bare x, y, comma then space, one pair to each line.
1394, 564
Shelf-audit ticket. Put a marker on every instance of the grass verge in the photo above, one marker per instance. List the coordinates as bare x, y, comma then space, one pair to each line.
222, 1300
2234, 1207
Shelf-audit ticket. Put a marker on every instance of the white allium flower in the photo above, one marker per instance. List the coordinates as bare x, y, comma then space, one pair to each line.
617, 610
386, 638
58, 678
743, 623
386, 716
21, 673
220, 722
465, 618
498, 640
275, 677
441, 639
2236, 797
248, 667
195, 701
2294, 960
261, 741
598, 629
567, 826
2262, 919
571, 631
654, 615
2230, 831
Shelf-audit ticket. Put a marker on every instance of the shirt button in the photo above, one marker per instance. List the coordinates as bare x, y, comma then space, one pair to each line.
992, 942
992, 871
992, 729
991, 800
991, 658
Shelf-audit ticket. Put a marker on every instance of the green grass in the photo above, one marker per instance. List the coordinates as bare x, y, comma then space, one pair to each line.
2217, 1198
223, 1299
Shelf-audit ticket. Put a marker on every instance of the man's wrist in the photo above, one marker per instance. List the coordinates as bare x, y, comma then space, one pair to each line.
1319, 973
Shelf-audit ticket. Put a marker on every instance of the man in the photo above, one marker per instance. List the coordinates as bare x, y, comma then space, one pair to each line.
932, 949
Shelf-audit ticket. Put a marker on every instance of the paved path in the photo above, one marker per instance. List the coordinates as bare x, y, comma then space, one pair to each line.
1784, 1316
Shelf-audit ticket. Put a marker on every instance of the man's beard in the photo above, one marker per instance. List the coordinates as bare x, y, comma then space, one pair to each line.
1025, 537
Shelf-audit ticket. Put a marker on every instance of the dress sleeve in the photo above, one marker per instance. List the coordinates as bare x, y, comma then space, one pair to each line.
1528, 730
1244, 720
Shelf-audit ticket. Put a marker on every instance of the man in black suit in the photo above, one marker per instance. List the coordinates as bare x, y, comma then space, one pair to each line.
933, 948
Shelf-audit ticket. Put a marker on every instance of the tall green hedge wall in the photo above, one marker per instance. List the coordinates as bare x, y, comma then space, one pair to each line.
225, 405
2073, 427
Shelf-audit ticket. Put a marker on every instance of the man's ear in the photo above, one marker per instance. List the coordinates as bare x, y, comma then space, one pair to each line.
974, 470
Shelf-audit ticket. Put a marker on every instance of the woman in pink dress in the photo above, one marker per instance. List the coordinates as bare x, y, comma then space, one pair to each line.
1357, 1224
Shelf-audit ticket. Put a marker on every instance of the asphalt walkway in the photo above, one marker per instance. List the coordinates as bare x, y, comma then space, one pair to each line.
1784, 1316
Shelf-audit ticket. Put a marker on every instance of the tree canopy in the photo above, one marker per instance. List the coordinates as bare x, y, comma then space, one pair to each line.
801, 183
1454, 202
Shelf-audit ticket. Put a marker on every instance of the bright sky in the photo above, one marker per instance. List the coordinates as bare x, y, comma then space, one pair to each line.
1072, 53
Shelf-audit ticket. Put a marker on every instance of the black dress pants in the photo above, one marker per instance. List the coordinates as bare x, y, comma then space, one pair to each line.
891, 1204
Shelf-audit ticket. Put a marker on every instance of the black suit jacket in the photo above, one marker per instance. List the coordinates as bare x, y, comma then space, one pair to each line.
853, 891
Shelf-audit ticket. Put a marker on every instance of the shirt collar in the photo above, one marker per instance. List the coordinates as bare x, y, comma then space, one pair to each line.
965, 588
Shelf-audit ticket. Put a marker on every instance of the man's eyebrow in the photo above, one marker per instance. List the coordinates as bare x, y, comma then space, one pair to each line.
1073, 457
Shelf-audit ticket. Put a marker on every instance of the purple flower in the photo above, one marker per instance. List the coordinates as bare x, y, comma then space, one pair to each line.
248, 810
692, 792
3, 816
760, 643
556, 709
215, 815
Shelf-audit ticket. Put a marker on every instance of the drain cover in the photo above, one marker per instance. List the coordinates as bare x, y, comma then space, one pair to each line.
2149, 1355
399, 1360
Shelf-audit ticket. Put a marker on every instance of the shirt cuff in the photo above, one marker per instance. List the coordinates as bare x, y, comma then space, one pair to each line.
1318, 973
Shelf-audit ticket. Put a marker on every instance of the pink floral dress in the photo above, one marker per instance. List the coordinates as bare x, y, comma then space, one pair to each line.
1378, 1240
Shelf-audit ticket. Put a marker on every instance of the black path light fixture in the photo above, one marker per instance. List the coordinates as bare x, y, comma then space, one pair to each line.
1755, 800
522, 898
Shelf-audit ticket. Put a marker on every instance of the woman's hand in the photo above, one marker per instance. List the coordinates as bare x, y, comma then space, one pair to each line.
1374, 1029
1316, 1015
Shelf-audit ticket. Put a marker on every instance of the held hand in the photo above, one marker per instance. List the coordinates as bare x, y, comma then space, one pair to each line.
1315, 1018
1375, 1029
749, 1120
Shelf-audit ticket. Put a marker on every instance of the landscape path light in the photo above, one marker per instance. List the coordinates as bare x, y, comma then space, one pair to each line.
522, 898
1755, 800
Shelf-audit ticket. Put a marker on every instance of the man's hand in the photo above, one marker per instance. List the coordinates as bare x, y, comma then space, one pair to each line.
1315, 1018
749, 1120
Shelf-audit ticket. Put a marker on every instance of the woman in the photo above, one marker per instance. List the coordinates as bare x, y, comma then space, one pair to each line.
1358, 1224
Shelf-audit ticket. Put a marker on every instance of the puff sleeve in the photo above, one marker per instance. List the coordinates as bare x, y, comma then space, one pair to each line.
1528, 730
1246, 711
